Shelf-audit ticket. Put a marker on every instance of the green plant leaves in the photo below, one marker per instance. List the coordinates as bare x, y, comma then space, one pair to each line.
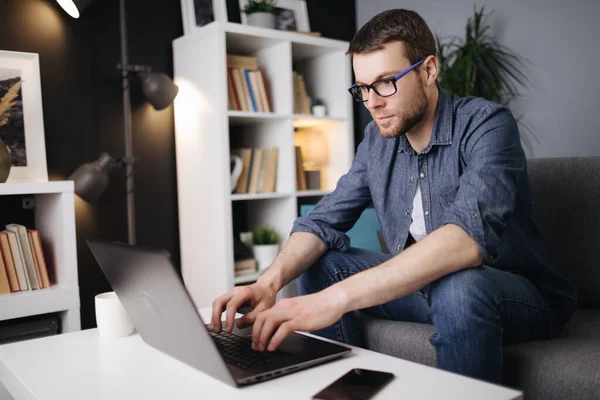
478, 66
265, 235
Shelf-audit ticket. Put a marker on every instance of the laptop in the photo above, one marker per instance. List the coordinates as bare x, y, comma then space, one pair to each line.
154, 296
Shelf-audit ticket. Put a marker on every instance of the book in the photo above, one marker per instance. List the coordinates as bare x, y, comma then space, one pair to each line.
270, 175
8, 262
17, 255
262, 87
4, 284
235, 102
251, 95
243, 181
38, 255
249, 263
21, 232
255, 90
257, 159
247, 62
241, 89
35, 262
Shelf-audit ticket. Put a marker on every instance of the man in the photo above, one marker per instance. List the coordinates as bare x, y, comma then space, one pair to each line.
447, 177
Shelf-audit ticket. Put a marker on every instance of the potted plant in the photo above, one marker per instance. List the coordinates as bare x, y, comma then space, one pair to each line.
319, 109
265, 246
260, 13
479, 66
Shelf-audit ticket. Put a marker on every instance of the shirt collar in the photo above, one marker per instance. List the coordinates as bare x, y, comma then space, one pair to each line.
442, 126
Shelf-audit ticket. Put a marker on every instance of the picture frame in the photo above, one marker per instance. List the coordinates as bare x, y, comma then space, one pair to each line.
292, 15
197, 13
23, 123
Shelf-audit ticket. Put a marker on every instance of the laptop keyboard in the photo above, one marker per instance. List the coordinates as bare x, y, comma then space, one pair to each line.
238, 351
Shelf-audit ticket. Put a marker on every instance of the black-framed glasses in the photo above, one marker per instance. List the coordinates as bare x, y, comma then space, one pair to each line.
384, 87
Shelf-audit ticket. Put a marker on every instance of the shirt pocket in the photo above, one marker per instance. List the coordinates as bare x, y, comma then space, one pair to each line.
447, 196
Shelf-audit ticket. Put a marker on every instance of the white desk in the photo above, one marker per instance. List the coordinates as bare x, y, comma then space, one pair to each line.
80, 365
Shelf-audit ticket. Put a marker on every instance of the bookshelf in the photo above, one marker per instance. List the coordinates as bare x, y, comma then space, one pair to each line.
54, 216
206, 131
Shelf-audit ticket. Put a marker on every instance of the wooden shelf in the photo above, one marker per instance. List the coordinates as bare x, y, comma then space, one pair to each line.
15, 188
260, 196
309, 193
239, 118
36, 302
247, 278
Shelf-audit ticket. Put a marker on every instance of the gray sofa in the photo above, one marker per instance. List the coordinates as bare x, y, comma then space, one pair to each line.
566, 192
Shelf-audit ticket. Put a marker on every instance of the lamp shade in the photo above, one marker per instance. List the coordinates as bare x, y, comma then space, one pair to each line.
158, 88
74, 7
91, 178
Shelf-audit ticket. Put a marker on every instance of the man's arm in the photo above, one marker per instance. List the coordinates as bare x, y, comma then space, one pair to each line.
311, 236
326, 225
473, 222
468, 236
299, 253
446, 250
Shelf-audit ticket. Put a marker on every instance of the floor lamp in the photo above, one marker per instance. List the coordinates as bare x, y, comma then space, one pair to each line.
92, 178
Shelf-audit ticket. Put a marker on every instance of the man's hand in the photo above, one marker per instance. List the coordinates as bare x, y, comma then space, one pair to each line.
304, 313
261, 297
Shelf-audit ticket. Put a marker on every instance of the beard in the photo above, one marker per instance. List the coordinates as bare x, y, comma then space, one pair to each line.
405, 119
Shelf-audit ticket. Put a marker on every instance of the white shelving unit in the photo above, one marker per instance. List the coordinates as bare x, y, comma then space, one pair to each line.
55, 220
206, 131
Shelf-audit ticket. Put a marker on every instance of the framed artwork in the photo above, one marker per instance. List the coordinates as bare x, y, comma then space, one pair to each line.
197, 13
21, 116
290, 15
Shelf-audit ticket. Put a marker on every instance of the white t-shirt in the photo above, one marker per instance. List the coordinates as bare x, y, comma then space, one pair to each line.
417, 225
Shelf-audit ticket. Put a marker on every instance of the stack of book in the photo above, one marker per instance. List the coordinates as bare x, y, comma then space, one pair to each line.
246, 85
301, 98
245, 267
259, 170
22, 262
244, 261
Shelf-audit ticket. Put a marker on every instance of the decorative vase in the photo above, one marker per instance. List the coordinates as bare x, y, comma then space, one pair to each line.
265, 254
262, 19
319, 111
5, 162
236, 171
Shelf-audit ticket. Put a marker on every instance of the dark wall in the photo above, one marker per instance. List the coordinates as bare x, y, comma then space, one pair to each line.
83, 116
82, 104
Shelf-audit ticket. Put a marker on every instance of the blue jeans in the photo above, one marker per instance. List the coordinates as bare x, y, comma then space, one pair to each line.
474, 311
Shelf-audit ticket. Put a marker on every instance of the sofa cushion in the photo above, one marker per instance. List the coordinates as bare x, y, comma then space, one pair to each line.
406, 340
363, 234
565, 193
564, 368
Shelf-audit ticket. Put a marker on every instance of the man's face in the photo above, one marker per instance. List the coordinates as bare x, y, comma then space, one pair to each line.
397, 114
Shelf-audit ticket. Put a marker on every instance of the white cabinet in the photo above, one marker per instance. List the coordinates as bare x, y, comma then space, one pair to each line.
206, 131
55, 220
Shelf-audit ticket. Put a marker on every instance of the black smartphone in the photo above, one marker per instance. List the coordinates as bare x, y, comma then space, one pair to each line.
357, 384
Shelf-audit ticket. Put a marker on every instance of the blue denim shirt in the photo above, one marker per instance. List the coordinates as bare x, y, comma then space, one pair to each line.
473, 174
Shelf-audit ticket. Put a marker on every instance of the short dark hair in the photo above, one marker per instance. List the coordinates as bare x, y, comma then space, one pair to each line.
395, 25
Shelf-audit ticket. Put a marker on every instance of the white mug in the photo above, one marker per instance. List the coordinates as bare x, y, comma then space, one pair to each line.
111, 317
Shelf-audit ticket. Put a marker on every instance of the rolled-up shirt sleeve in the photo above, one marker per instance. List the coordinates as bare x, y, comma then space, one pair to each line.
487, 189
338, 211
